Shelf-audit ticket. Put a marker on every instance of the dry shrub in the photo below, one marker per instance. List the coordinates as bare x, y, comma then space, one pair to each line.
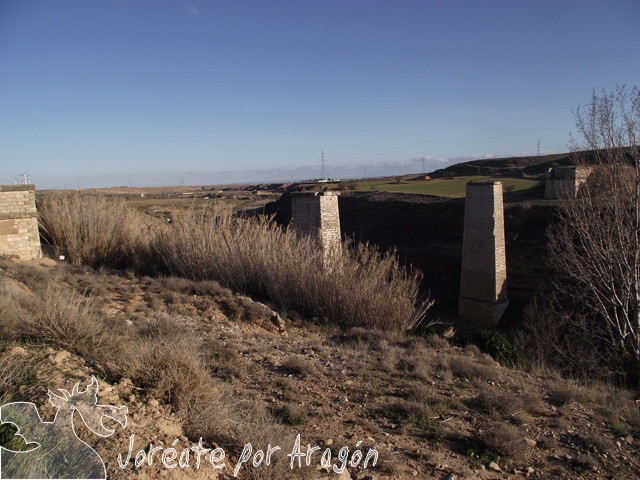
298, 366
558, 334
495, 404
507, 441
12, 369
94, 230
14, 305
563, 395
165, 359
32, 276
620, 408
223, 362
422, 415
66, 319
437, 342
360, 287
472, 370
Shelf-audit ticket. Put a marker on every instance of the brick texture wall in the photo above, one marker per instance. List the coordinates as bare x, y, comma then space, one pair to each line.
19, 236
483, 286
316, 213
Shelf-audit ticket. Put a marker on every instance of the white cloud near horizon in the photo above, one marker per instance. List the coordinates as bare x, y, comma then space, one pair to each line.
255, 176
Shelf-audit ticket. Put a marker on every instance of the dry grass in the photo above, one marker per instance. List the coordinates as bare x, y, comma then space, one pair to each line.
66, 319
298, 366
95, 230
360, 287
471, 369
507, 441
13, 310
12, 369
257, 257
164, 359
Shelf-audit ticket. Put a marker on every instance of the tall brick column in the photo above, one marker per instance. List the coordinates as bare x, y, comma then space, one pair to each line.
316, 213
19, 236
483, 286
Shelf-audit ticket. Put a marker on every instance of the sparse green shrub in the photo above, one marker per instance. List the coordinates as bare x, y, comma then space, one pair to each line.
498, 346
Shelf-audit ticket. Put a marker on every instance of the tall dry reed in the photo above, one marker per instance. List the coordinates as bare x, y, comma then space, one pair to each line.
360, 287
94, 230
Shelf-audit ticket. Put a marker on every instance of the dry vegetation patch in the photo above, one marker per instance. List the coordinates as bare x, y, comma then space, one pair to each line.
429, 408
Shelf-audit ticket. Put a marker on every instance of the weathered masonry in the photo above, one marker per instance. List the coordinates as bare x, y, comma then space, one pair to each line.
565, 182
19, 235
483, 287
316, 213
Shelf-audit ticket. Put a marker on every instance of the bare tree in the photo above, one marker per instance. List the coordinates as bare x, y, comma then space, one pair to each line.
595, 242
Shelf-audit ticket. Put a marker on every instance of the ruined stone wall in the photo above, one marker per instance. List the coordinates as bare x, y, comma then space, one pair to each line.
565, 182
19, 236
316, 213
483, 284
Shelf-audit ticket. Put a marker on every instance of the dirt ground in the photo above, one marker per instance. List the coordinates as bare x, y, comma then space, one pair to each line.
429, 409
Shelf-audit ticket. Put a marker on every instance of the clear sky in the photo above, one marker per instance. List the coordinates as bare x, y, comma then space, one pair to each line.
98, 93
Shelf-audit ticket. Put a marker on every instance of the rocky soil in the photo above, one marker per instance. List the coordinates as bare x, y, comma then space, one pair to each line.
430, 409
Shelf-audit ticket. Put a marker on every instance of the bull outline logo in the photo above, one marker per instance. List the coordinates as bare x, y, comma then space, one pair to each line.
59, 452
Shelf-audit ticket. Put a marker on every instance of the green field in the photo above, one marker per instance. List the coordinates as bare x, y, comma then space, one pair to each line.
446, 187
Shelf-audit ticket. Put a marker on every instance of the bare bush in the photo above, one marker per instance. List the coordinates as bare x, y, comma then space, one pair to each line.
596, 241
255, 256
93, 230
558, 334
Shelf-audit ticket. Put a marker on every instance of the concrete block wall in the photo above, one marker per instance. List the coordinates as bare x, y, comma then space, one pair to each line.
565, 182
317, 213
19, 236
483, 286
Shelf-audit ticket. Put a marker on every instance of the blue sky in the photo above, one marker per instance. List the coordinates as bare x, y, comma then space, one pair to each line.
105, 92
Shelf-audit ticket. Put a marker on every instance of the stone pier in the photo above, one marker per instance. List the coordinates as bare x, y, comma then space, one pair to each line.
565, 182
483, 286
316, 213
19, 236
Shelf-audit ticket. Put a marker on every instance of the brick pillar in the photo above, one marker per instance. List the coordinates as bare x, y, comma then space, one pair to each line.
316, 213
19, 236
483, 286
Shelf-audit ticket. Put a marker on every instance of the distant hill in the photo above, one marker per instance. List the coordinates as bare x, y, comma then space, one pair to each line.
525, 167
